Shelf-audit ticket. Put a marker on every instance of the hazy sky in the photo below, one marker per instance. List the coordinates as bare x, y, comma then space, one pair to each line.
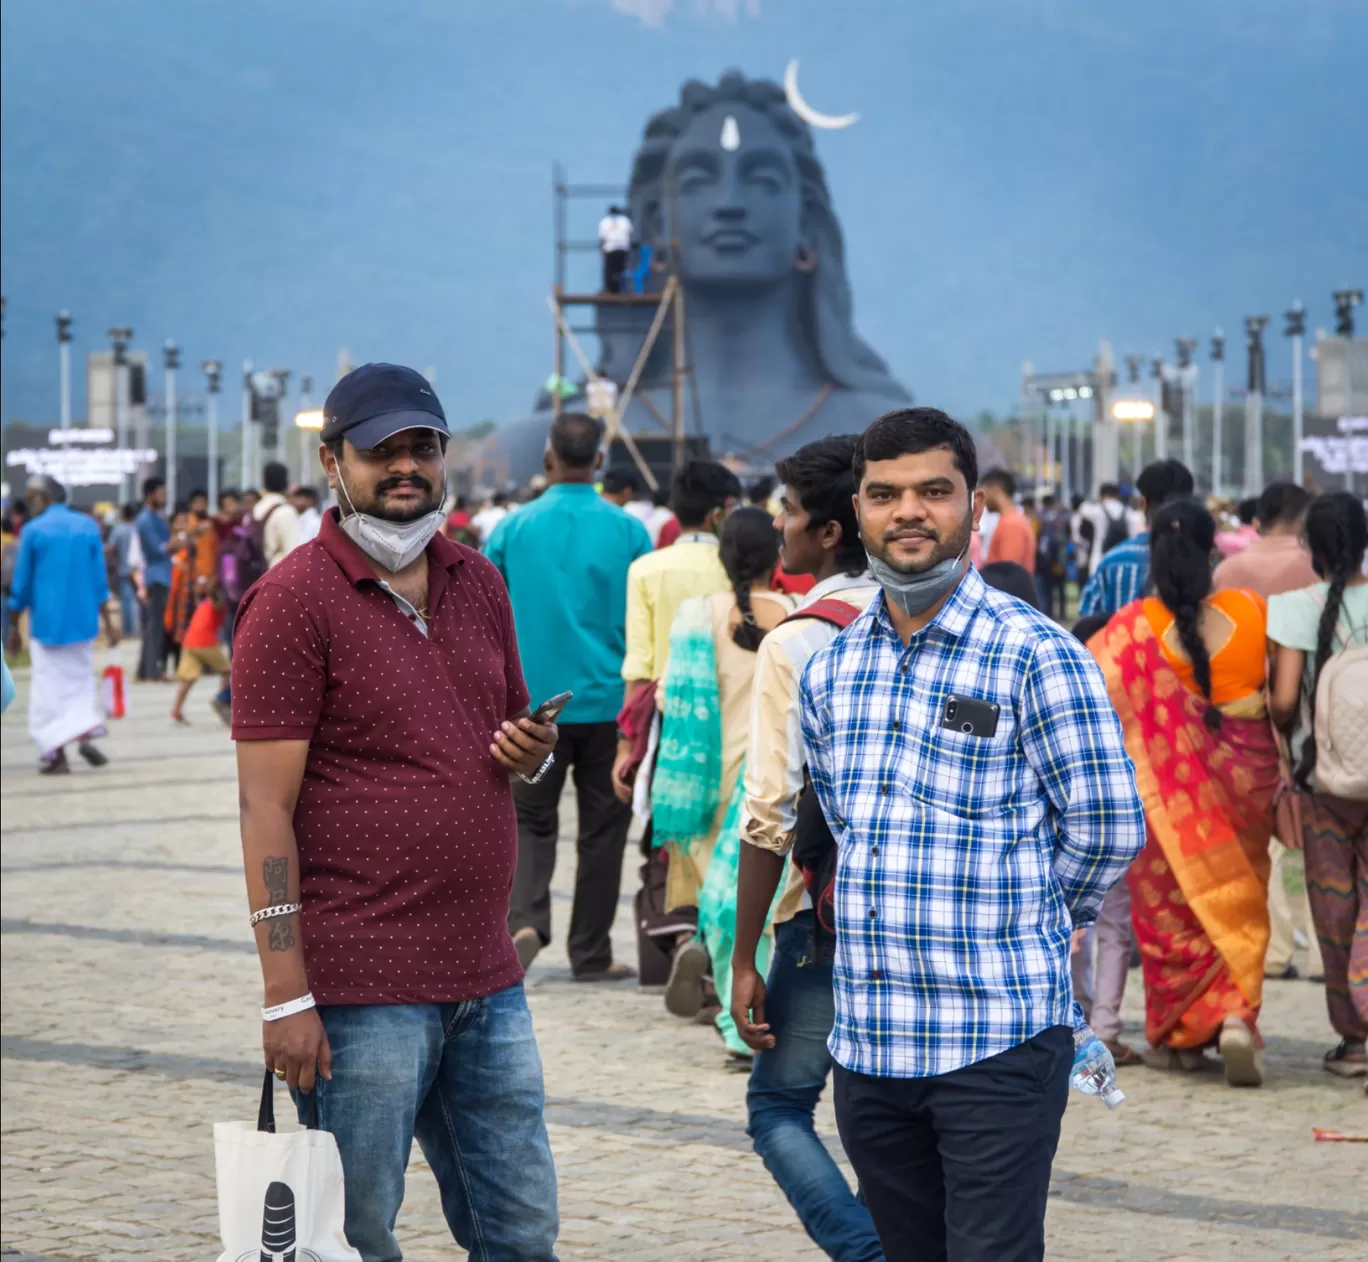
278, 180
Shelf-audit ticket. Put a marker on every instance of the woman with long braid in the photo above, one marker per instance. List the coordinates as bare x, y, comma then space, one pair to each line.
1186, 670
697, 790
1310, 627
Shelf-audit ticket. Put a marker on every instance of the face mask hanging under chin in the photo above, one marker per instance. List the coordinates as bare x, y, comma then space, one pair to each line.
393, 544
916, 593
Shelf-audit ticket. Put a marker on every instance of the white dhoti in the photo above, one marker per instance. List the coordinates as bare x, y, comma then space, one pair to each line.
63, 702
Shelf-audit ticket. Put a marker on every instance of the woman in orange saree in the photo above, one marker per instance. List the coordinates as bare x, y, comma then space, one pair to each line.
1187, 674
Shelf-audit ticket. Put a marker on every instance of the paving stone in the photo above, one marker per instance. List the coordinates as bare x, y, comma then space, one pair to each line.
130, 990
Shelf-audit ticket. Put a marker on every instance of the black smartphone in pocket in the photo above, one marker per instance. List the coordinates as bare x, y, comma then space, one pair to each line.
970, 715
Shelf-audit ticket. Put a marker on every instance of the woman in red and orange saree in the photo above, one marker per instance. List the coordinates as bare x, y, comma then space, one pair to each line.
1186, 673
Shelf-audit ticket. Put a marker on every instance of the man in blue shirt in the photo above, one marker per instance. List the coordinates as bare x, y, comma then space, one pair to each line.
60, 578
971, 767
565, 558
154, 534
1123, 573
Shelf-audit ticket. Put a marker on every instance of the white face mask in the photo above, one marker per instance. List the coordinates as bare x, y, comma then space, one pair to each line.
392, 544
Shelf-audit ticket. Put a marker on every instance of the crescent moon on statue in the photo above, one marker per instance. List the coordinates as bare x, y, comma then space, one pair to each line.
827, 122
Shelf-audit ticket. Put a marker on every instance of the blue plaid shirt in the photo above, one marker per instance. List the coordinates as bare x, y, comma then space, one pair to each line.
964, 862
1120, 578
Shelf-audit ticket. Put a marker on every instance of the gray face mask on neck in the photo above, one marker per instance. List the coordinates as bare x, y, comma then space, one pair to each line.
916, 593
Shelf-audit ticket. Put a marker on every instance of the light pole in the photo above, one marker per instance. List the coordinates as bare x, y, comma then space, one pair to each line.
1217, 407
1161, 419
212, 369
1187, 384
305, 465
246, 424
64, 367
1296, 330
1134, 363
281, 377
119, 339
171, 361
1345, 302
1256, 381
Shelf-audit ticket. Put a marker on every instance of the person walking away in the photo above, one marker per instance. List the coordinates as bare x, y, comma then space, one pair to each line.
615, 243
1052, 559
820, 537
661, 519
379, 837
1104, 524
1277, 562
154, 533
621, 487
201, 651
490, 516
1232, 542
702, 493
1013, 539
1120, 569
1320, 686
120, 545
276, 517
972, 770
60, 578
565, 560
697, 787
305, 502
1186, 670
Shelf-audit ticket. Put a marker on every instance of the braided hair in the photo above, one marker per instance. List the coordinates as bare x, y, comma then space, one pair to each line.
750, 551
1337, 535
1182, 535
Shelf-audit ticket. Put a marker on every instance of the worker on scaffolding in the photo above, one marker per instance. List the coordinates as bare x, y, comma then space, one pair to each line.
615, 243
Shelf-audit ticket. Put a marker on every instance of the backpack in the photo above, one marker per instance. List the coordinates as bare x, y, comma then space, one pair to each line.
1049, 549
814, 848
1342, 725
249, 555
1117, 531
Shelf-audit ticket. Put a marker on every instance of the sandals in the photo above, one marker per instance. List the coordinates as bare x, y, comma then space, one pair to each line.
1347, 1060
1123, 1054
1240, 1057
1174, 1060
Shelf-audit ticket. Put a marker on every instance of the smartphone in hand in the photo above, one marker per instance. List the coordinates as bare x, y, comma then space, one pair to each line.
550, 709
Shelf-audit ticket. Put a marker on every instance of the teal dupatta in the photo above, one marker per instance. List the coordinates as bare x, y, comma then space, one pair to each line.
686, 787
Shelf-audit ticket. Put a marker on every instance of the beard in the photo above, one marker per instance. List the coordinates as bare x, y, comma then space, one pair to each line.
432, 500
944, 547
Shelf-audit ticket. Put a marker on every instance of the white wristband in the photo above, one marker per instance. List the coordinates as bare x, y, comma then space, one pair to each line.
282, 1010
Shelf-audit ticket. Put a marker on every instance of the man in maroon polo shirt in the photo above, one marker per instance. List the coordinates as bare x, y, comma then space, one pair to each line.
379, 709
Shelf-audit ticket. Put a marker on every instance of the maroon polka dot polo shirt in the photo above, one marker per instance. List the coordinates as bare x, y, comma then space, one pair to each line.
405, 824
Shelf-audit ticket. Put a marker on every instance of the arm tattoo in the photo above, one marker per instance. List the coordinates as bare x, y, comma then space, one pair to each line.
276, 873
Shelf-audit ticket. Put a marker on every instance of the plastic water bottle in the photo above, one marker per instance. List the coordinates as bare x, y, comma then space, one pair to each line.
1094, 1070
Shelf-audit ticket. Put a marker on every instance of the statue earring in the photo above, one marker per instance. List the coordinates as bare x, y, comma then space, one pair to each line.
805, 260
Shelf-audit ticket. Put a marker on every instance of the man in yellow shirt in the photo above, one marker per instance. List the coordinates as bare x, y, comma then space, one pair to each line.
702, 495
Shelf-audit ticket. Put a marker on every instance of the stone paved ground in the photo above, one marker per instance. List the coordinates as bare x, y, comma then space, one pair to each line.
129, 1025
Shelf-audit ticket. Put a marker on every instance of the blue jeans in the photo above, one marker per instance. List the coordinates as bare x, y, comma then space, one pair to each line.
465, 1080
128, 606
786, 1084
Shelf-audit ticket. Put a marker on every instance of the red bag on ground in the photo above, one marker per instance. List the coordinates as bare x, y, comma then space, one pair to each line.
113, 700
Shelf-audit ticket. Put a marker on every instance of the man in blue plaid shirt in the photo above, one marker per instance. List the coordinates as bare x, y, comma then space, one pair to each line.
972, 769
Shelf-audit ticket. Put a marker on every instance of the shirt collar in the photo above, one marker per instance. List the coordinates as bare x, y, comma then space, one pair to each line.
697, 536
441, 553
838, 583
951, 620
568, 488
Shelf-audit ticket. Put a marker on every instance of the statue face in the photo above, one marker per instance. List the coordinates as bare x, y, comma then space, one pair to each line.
738, 204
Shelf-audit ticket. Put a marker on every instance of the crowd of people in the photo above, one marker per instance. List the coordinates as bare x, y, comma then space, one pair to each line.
918, 767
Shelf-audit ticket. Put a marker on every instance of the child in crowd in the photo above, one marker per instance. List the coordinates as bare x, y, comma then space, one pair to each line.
201, 651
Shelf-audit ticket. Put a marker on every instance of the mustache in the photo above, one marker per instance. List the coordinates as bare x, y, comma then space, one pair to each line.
911, 532
392, 484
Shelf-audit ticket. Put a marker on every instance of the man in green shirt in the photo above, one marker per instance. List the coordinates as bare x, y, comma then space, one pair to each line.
565, 558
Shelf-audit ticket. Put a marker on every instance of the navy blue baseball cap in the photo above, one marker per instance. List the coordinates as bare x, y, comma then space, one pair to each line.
375, 401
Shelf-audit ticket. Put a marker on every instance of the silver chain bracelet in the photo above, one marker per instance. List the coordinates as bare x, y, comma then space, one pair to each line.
280, 909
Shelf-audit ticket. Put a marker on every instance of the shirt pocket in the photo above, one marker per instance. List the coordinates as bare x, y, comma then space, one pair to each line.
973, 777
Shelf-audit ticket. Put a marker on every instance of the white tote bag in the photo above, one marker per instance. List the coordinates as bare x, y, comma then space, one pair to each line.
280, 1197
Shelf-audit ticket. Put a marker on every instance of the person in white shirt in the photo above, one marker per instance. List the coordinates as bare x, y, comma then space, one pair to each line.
305, 501
490, 516
278, 517
615, 241
1103, 514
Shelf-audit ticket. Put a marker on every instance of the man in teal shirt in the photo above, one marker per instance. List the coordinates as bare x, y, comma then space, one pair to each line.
565, 558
